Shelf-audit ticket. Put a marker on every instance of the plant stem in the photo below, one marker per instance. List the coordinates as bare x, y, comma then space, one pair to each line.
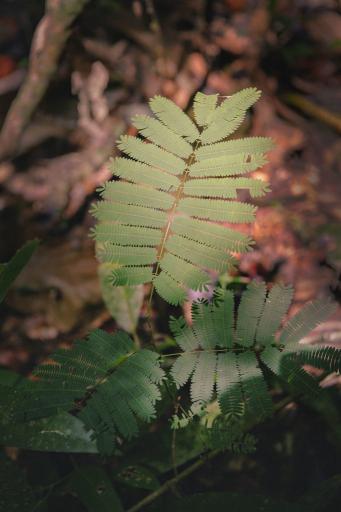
173, 481
196, 465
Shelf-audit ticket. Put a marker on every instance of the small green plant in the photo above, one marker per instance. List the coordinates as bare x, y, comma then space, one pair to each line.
167, 221
229, 354
162, 222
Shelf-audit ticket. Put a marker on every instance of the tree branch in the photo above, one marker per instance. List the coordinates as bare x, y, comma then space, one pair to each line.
48, 42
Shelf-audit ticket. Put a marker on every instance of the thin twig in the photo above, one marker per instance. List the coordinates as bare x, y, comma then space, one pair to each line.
313, 110
48, 43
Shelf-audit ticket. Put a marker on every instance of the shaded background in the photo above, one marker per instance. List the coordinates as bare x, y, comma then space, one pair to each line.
88, 74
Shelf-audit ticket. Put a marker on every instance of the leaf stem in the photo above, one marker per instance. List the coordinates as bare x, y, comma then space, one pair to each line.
161, 248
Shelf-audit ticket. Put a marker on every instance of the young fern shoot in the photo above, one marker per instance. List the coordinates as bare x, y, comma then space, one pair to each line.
164, 221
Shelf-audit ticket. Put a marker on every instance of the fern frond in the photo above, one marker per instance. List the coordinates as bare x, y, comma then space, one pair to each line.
211, 234
248, 145
305, 320
276, 306
204, 328
134, 236
132, 194
172, 116
258, 402
221, 129
223, 318
238, 102
227, 165
229, 388
131, 276
204, 107
169, 289
225, 187
137, 172
162, 136
151, 154
287, 369
178, 213
115, 254
103, 379
229, 115
184, 334
230, 356
199, 254
222, 211
183, 368
129, 215
203, 379
321, 356
249, 312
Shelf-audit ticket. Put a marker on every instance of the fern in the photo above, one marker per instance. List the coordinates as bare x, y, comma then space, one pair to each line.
103, 380
162, 222
228, 357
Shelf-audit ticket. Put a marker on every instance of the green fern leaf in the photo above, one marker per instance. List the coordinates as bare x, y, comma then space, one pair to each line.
183, 368
249, 312
229, 388
162, 196
107, 383
276, 306
290, 371
137, 172
258, 402
204, 107
162, 136
227, 165
248, 146
225, 187
151, 154
202, 383
307, 319
174, 118
323, 357
230, 356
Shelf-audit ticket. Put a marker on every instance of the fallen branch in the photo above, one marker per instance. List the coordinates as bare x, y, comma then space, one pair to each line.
48, 43
313, 110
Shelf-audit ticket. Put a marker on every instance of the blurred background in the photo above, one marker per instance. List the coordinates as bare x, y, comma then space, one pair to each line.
73, 72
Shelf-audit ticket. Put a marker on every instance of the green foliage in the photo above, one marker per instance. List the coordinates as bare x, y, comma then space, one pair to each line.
10, 271
162, 221
228, 355
103, 380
